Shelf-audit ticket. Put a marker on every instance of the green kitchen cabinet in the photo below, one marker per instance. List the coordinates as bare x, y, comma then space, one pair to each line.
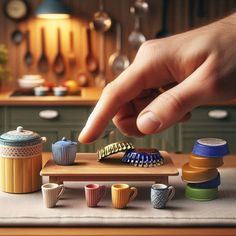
70, 120
2, 114
204, 124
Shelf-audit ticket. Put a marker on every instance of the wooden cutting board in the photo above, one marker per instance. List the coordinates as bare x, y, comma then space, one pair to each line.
87, 168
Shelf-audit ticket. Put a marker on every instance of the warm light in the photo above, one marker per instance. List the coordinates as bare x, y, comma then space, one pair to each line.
53, 16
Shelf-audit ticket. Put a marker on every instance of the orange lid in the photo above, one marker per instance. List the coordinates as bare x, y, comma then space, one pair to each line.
197, 175
205, 162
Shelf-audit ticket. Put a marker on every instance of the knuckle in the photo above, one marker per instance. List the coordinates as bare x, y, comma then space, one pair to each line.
177, 104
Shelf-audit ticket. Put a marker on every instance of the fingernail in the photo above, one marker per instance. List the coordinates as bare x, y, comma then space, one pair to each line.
82, 135
148, 123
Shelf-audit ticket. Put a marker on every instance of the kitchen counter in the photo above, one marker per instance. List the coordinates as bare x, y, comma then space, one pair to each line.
181, 217
88, 96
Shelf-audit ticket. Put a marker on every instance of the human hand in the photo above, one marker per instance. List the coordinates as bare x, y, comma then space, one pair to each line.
201, 61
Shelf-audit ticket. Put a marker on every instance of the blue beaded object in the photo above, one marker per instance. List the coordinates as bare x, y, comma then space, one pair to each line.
143, 157
210, 147
213, 183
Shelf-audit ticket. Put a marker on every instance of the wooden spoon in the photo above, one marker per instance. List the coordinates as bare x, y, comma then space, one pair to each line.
28, 57
90, 60
43, 64
72, 57
59, 63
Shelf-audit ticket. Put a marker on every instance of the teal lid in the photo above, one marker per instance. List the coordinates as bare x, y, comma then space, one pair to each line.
19, 137
65, 142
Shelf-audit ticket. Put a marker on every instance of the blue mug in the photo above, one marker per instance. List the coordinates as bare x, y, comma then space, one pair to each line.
64, 152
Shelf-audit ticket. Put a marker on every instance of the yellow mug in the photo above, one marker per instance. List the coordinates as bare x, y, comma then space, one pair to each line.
121, 194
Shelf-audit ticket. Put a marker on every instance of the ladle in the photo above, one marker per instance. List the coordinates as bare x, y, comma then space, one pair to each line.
43, 64
136, 38
90, 60
101, 20
17, 36
163, 32
28, 57
140, 8
59, 63
117, 61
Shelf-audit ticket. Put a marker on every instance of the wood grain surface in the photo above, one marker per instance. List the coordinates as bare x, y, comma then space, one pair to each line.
86, 165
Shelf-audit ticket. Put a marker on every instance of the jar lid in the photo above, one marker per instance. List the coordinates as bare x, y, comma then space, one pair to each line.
210, 147
19, 136
65, 142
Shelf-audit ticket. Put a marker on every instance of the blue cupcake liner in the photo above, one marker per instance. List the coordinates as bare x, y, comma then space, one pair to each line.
210, 147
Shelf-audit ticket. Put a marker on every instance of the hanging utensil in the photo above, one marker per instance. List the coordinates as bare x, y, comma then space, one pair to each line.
100, 79
163, 32
28, 57
17, 36
190, 14
101, 20
117, 61
72, 57
59, 63
136, 38
139, 8
43, 64
90, 60
201, 10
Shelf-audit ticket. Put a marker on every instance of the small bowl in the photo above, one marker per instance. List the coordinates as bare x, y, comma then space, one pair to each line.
60, 91
197, 175
199, 194
41, 91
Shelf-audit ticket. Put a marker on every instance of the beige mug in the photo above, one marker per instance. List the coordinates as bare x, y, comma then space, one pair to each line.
51, 193
122, 194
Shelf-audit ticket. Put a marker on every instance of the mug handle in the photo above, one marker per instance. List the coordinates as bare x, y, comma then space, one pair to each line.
133, 193
61, 191
171, 193
102, 191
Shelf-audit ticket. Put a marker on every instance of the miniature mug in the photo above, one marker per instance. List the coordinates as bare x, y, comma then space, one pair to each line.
51, 193
94, 193
161, 194
122, 194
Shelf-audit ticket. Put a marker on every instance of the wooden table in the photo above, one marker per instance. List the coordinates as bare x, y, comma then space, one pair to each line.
179, 160
87, 168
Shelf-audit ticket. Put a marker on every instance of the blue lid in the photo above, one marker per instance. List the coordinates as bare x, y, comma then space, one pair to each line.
19, 136
210, 147
213, 183
65, 142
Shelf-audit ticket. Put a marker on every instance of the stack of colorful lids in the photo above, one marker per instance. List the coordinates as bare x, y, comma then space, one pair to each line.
201, 172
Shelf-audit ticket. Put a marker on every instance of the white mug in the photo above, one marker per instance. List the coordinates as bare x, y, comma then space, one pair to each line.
51, 193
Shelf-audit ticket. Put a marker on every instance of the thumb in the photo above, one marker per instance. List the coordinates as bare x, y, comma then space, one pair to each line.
171, 106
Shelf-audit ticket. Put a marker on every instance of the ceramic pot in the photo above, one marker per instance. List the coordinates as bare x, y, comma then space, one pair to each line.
64, 152
20, 161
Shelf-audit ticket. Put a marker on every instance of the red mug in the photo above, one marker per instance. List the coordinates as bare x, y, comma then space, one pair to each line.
94, 193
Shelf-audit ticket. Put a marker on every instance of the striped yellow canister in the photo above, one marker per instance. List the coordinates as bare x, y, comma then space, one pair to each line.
20, 161
122, 194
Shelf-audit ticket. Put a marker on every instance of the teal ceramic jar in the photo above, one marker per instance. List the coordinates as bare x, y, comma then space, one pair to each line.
64, 152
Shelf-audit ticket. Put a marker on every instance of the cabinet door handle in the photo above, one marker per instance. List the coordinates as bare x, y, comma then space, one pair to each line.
218, 114
48, 114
